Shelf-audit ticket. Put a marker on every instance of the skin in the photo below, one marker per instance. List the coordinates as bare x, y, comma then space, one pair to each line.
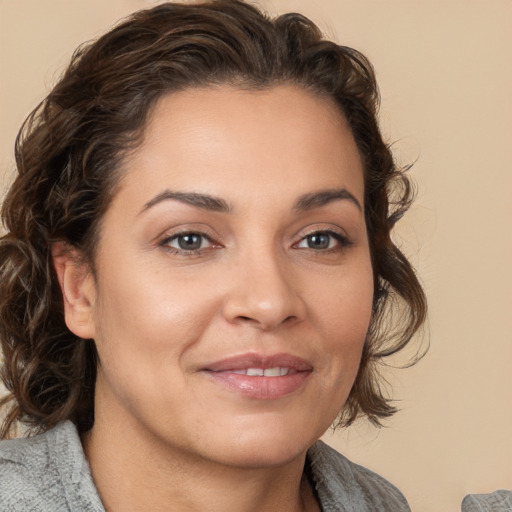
165, 432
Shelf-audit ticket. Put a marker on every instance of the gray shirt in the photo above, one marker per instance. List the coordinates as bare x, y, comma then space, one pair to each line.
49, 473
498, 501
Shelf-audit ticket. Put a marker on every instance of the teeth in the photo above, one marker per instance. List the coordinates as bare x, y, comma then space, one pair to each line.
260, 372
255, 372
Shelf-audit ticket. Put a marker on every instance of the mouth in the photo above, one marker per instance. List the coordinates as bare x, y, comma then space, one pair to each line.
260, 377
258, 365
266, 372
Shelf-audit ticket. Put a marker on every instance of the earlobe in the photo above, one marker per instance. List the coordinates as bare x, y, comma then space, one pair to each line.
78, 289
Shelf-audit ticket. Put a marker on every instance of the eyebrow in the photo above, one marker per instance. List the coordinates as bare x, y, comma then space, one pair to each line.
216, 204
323, 197
203, 201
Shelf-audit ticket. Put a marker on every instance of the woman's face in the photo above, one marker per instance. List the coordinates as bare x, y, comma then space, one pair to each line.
234, 286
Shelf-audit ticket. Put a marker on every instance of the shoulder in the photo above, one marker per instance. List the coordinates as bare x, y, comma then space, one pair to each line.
344, 486
43, 472
498, 501
25, 469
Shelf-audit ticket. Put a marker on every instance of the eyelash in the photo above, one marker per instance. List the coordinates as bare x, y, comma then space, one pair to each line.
342, 242
188, 252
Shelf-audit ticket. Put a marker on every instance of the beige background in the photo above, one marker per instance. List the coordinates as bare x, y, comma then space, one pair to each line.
446, 78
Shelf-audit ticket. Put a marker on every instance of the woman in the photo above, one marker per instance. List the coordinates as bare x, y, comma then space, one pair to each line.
196, 271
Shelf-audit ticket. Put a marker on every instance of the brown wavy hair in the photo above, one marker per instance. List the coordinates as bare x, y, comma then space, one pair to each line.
68, 155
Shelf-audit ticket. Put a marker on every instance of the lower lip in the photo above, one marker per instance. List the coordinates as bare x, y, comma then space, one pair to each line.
261, 388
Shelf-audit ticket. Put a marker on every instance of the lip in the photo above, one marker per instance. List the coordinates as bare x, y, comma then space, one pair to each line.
259, 387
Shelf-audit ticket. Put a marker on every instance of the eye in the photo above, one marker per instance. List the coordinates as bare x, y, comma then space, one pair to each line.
187, 242
322, 240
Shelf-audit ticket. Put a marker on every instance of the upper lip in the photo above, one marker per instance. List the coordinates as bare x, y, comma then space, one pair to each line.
253, 360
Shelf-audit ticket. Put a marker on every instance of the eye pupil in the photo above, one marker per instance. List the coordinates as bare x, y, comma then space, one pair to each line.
190, 241
318, 241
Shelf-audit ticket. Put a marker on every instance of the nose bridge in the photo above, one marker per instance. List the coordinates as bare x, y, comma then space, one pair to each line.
263, 291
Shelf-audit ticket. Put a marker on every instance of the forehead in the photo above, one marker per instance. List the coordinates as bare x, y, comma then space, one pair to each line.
231, 141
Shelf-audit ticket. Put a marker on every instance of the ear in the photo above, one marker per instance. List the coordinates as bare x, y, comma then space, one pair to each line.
78, 289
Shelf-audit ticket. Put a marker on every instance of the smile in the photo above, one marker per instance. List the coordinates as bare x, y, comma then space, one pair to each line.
260, 377
267, 372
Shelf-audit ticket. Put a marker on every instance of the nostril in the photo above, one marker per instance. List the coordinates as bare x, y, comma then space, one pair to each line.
244, 318
265, 306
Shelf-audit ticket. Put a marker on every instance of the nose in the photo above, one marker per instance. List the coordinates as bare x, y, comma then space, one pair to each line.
263, 293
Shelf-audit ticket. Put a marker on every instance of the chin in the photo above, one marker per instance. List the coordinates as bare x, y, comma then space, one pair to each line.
266, 438
265, 447
264, 455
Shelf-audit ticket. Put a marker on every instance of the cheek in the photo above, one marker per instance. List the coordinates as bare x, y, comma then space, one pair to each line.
148, 317
345, 317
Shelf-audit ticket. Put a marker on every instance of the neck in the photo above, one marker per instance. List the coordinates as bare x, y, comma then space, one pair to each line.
134, 472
